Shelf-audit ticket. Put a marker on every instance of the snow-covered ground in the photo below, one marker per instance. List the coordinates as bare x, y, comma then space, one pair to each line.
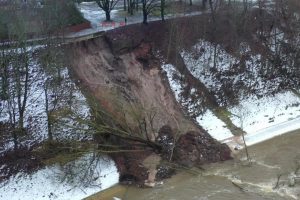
220, 71
214, 126
92, 12
177, 86
262, 111
77, 179
272, 131
96, 16
208, 120
253, 114
265, 118
174, 82
261, 118
54, 183
35, 117
205, 60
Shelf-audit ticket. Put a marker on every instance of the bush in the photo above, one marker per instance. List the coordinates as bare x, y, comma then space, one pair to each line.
75, 16
57, 14
3, 26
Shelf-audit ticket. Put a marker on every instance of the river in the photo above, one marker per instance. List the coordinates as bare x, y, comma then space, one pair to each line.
235, 179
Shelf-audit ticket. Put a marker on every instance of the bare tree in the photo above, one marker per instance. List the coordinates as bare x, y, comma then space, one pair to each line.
130, 6
15, 79
8, 93
19, 67
4, 75
204, 2
212, 10
242, 115
21, 79
148, 6
162, 9
107, 6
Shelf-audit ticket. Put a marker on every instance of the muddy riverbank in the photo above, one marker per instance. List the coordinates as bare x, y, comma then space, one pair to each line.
235, 179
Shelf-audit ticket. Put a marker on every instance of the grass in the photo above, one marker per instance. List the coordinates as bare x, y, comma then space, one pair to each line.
224, 115
62, 159
297, 93
55, 152
3, 25
52, 17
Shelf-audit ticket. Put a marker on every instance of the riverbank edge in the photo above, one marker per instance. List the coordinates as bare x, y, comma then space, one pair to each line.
120, 190
236, 143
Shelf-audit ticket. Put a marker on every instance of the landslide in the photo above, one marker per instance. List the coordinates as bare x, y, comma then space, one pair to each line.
122, 72
257, 30
123, 83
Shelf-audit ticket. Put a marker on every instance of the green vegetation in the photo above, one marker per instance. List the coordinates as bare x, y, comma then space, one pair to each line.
3, 25
57, 15
54, 16
296, 92
224, 115
62, 152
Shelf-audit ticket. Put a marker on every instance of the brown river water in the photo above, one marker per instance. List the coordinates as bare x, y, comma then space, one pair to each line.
235, 179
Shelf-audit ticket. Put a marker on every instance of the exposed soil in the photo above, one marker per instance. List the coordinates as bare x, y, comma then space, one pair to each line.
122, 71
191, 150
230, 30
128, 80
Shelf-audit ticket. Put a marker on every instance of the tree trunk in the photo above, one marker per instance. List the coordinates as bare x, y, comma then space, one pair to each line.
245, 2
125, 7
137, 5
204, 4
15, 139
12, 117
212, 10
130, 6
191, 2
145, 14
215, 56
4, 74
22, 98
49, 122
107, 15
145, 17
162, 10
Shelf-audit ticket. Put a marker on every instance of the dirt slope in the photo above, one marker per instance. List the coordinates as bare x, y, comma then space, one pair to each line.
126, 79
122, 80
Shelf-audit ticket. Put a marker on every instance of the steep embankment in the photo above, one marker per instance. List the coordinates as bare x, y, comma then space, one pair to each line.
216, 67
124, 75
211, 67
120, 81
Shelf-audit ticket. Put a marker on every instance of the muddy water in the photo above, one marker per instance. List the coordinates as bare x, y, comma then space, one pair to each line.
235, 179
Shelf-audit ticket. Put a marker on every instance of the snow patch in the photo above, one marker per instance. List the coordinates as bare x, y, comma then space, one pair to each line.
253, 114
204, 58
53, 183
214, 126
174, 82
35, 116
